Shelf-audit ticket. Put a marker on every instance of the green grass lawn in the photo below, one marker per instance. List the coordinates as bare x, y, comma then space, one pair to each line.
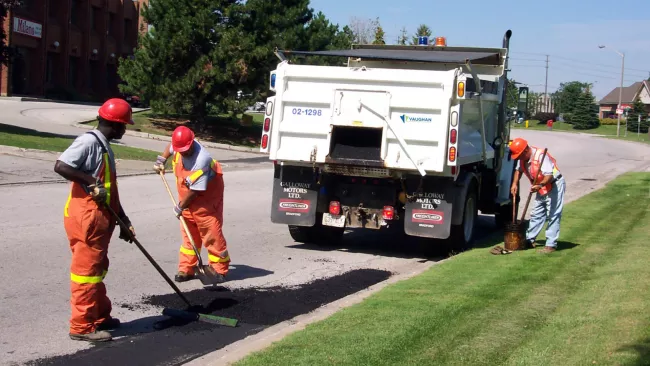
588, 303
31, 139
222, 129
607, 130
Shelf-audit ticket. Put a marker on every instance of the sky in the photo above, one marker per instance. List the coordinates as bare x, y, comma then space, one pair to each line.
568, 31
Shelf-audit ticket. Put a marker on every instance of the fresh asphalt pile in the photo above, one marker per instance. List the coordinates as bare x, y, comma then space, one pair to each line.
178, 341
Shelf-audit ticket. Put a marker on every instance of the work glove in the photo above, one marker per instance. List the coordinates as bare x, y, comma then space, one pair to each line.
125, 235
178, 211
98, 192
159, 165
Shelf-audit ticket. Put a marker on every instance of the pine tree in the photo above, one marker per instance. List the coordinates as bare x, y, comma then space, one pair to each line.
423, 30
6, 52
585, 115
403, 37
379, 34
633, 117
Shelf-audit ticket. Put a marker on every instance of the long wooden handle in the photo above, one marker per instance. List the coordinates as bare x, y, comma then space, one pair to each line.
146, 254
534, 181
187, 229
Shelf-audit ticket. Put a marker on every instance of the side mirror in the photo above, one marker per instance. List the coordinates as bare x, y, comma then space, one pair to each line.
522, 101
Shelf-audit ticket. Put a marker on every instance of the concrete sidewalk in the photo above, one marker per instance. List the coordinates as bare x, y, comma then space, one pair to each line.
25, 166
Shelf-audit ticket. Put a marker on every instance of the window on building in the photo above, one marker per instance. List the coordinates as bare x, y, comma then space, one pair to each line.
74, 12
53, 9
127, 28
110, 30
72, 71
93, 71
49, 68
95, 19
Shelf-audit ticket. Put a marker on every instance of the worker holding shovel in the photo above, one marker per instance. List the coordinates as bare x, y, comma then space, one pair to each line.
199, 181
549, 187
90, 165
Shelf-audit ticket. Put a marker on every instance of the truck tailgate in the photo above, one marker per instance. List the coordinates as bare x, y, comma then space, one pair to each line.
384, 117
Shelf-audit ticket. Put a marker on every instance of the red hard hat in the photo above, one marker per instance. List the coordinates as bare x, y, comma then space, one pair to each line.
518, 146
116, 110
182, 139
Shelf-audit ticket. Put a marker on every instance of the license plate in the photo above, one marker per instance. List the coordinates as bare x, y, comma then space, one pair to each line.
333, 220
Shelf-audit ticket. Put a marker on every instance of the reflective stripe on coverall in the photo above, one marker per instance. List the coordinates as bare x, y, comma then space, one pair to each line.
204, 218
89, 228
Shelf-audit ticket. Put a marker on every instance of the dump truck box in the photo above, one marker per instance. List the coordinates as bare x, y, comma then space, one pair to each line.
368, 117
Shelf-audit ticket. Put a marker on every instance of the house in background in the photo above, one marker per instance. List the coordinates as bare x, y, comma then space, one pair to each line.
607, 105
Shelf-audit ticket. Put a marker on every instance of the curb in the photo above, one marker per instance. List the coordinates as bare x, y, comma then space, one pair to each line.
152, 136
54, 181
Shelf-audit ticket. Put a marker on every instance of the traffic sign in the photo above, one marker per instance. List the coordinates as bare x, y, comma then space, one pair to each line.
619, 111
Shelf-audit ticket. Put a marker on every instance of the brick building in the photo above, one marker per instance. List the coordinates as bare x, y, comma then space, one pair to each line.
69, 48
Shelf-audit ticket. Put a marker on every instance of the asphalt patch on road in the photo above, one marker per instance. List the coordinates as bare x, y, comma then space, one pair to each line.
180, 341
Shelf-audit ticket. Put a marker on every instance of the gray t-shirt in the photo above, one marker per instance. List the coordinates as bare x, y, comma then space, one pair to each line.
200, 159
86, 154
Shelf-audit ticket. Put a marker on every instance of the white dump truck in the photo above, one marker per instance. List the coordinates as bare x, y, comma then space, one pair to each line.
413, 137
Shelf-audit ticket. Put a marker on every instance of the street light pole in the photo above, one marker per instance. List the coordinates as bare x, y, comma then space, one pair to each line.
620, 91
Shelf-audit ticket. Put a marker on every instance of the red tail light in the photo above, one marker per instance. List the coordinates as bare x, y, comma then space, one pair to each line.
389, 213
267, 124
335, 208
453, 170
452, 136
265, 141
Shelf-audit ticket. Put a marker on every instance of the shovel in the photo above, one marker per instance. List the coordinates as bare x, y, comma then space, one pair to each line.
204, 272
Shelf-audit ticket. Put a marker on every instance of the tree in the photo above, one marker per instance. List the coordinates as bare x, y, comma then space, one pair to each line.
585, 112
191, 58
6, 52
638, 109
379, 34
568, 94
403, 37
423, 30
364, 30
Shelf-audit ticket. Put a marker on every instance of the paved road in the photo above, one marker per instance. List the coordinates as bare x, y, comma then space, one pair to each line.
59, 118
34, 268
35, 298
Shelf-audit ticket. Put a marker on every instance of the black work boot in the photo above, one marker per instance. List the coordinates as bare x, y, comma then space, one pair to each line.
110, 324
96, 336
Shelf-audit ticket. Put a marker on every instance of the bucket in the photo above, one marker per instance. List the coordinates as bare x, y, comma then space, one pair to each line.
515, 235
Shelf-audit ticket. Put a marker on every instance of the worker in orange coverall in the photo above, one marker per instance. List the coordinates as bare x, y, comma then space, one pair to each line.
199, 180
89, 164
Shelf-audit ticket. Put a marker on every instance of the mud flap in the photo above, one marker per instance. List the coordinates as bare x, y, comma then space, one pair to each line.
428, 213
295, 195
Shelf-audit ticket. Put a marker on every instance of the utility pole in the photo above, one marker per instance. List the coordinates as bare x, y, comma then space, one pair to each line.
546, 87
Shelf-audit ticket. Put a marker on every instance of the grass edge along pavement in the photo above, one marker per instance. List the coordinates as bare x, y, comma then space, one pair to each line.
588, 303
31, 139
227, 134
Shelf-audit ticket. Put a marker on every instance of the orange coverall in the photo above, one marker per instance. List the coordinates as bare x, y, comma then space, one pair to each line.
204, 218
89, 228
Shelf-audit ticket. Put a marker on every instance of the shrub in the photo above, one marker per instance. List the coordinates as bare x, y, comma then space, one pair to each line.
545, 116
609, 121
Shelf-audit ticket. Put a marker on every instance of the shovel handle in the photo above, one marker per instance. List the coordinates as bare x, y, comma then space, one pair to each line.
146, 254
187, 229
534, 181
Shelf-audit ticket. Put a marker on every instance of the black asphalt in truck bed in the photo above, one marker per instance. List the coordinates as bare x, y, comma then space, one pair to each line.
179, 341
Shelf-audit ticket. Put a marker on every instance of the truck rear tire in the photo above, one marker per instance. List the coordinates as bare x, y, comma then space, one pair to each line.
462, 236
317, 234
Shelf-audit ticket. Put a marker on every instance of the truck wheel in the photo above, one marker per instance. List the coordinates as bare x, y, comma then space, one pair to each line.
462, 235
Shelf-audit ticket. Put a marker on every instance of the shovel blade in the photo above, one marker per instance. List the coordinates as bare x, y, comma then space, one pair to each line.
208, 277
